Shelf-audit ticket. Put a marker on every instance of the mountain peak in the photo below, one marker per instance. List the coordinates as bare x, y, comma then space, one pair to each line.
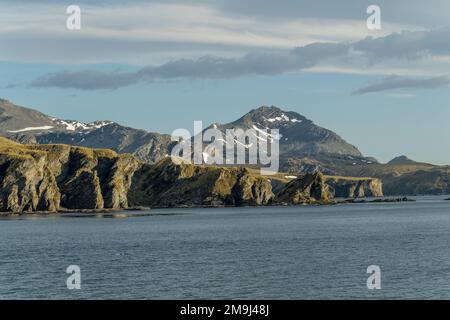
266, 109
401, 160
270, 117
298, 135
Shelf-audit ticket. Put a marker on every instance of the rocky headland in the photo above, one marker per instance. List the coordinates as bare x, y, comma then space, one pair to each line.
52, 177
61, 178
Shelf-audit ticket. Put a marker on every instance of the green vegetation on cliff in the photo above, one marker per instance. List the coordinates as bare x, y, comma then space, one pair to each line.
51, 177
168, 184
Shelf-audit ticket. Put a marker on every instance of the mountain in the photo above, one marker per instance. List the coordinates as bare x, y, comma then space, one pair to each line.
15, 119
401, 160
147, 146
304, 146
299, 136
29, 126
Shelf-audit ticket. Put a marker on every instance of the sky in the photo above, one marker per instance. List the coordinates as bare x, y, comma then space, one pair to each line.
160, 65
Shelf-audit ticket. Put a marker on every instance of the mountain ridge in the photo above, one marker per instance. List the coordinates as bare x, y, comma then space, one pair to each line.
304, 146
299, 135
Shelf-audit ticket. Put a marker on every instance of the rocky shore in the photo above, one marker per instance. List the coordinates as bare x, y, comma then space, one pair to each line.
403, 199
62, 178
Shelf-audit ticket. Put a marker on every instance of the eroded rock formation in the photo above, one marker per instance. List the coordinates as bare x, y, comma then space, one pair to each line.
308, 189
50, 177
168, 184
349, 187
53, 177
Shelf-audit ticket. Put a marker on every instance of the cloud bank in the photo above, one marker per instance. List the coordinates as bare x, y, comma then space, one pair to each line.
396, 82
405, 47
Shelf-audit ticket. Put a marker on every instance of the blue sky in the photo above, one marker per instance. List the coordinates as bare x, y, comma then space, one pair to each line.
159, 65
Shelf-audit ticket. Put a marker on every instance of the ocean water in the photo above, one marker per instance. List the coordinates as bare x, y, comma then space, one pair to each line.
233, 253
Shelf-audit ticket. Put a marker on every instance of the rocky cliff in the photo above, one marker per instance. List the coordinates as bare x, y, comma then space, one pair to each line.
310, 188
349, 187
37, 177
171, 184
50, 177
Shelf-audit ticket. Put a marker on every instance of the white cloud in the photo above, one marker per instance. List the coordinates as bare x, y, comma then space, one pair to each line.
396, 82
153, 33
398, 51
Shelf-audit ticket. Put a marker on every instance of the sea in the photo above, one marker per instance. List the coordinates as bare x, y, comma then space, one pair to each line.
297, 252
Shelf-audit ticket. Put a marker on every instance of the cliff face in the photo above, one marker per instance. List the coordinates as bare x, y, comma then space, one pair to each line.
50, 177
310, 188
345, 187
169, 184
26, 185
316, 188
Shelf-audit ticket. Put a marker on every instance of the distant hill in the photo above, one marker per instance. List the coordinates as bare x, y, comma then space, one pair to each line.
412, 178
401, 160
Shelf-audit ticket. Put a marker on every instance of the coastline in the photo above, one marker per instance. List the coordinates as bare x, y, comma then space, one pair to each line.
122, 212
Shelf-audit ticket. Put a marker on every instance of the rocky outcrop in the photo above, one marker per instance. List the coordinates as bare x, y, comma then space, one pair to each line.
349, 187
172, 184
26, 185
51, 177
55, 177
307, 189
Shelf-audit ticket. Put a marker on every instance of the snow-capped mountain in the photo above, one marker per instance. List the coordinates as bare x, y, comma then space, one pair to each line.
16, 119
298, 136
72, 125
31, 126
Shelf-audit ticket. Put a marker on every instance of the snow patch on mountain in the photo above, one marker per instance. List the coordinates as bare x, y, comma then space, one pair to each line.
283, 118
31, 129
71, 125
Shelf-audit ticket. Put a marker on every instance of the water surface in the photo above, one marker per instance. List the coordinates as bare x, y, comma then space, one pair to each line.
242, 253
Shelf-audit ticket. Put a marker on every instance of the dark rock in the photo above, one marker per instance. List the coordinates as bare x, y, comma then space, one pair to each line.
172, 184
343, 187
51, 177
308, 189
403, 199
